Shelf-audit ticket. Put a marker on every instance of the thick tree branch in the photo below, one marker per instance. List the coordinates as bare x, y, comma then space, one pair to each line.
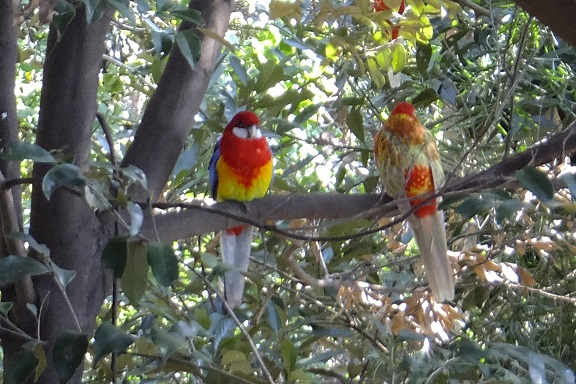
169, 116
202, 218
559, 15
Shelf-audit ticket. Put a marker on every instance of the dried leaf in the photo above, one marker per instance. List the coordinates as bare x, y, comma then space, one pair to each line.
526, 277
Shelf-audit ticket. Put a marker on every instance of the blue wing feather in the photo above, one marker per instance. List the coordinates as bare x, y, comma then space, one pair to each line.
213, 171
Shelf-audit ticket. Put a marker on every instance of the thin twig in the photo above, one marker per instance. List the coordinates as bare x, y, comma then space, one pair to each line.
108, 135
245, 333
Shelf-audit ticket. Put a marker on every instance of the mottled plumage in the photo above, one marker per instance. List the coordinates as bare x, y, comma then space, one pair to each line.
409, 164
241, 170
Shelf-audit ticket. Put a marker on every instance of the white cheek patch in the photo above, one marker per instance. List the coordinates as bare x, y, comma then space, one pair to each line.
240, 132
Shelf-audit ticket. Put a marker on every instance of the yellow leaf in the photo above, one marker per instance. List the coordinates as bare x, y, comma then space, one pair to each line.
526, 277
375, 74
217, 37
398, 58
280, 9
39, 354
233, 357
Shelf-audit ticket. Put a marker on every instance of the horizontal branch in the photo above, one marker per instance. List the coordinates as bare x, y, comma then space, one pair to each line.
184, 220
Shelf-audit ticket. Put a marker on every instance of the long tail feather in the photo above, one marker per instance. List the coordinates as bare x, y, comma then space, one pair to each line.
236, 253
431, 238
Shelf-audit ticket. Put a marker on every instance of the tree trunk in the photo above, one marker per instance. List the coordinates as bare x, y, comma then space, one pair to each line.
65, 223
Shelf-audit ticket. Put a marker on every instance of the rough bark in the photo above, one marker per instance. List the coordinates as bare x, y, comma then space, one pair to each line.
65, 223
169, 116
559, 15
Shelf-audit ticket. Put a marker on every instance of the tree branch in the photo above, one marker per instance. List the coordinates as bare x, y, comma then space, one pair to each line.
8, 116
559, 15
168, 118
192, 219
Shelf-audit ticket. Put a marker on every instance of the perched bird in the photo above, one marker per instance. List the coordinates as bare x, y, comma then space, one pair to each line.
409, 164
241, 170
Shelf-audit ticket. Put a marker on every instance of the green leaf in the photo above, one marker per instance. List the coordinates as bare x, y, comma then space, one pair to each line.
135, 276
423, 56
537, 183
20, 150
170, 342
474, 205
570, 180
94, 9
68, 175
108, 339
163, 262
190, 15
270, 74
5, 307
448, 91
14, 268
289, 354
20, 366
376, 75
64, 276
238, 69
68, 354
208, 260
64, 14
398, 59
507, 209
189, 44
123, 6
136, 175
355, 123
115, 254
424, 98
273, 318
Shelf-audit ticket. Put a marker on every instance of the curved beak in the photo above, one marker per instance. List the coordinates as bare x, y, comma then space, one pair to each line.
252, 131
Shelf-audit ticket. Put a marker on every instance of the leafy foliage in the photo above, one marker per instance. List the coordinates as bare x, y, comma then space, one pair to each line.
321, 76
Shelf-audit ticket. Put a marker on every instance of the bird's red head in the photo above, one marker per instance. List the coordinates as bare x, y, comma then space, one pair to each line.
243, 119
403, 108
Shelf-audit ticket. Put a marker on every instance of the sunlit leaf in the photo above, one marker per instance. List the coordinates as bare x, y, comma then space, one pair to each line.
398, 58
280, 8
375, 74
